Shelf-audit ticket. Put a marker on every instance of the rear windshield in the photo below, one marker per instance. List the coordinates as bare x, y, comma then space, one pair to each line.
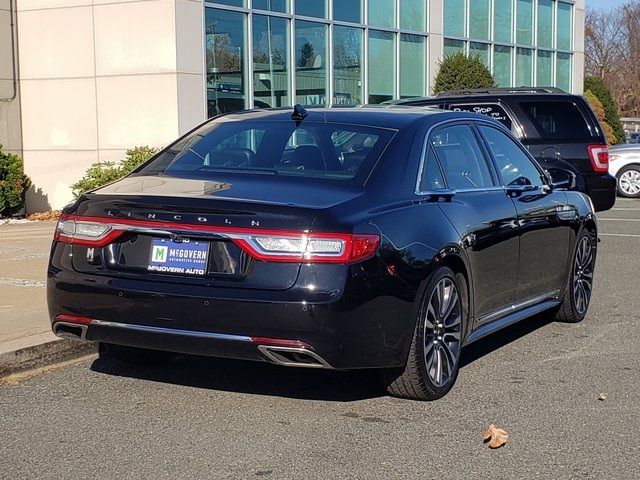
312, 149
557, 120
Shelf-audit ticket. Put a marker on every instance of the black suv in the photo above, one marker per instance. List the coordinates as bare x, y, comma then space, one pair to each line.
559, 129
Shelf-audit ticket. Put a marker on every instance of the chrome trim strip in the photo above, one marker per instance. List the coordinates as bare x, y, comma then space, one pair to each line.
171, 331
267, 351
518, 306
83, 330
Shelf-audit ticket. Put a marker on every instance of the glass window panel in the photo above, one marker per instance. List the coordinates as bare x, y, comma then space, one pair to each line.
271, 5
270, 72
523, 67
225, 43
311, 63
347, 65
454, 18
479, 19
544, 69
451, 46
413, 15
347, 10
524, 22
311, 8
545, 23
564, 26
432, 176
563, 71
481, 50
233, 3
412, 66
503, 11
502, 65
381, 66
382, 13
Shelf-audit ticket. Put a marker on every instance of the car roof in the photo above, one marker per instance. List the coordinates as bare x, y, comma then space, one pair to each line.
527, 94
385, 116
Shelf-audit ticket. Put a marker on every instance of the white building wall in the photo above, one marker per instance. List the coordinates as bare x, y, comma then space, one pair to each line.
578, 46
10, 129
101, 76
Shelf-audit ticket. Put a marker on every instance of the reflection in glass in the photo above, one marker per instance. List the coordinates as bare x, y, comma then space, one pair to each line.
311, 64
544, 69
347, 11
481, 50
545, 23
270, 72
381, 12
271, 5
451, 46
412, 66
564, 26
454, 18
524, 22
413, 15
479, 19
311, 8
502, 21
563, 71
524, 67
225, 44
381, 66
347, 65
502, 65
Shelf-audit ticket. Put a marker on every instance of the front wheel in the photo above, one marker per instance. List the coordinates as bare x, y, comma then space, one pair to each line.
432, 365
577, 295
629, 181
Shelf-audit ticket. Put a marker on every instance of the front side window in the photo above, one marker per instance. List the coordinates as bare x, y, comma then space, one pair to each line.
313, 150
515, 168
461, 158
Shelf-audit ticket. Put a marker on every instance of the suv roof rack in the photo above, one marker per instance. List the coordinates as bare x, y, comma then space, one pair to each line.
499, 91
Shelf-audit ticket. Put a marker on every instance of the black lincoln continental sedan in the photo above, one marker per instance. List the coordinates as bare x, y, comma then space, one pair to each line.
384, 238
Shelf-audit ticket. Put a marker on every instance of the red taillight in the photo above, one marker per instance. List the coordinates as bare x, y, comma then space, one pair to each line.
267, 245
599, 156
80, 319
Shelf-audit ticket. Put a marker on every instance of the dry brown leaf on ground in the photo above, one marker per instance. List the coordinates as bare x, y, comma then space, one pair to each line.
496, 437
44, 216
603, 396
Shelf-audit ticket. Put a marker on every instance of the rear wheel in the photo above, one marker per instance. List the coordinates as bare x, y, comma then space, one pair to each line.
432, 366
577, 296
629, 181
133, 355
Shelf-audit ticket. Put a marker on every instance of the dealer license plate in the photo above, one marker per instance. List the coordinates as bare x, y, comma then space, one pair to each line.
187, 257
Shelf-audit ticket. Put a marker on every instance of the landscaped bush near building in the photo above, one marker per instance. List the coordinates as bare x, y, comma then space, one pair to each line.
13, 184
599, 88
459, 72
598, 109
102, 173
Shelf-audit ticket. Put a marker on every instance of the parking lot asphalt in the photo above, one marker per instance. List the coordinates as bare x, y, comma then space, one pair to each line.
208, 418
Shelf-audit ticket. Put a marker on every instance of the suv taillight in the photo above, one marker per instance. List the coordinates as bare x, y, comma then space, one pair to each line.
599, 156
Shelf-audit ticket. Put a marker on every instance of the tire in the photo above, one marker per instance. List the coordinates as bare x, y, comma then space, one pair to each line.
629, 181
133, 355
434, 356
577, 295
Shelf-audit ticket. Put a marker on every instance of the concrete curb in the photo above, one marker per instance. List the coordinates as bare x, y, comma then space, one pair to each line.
42, 350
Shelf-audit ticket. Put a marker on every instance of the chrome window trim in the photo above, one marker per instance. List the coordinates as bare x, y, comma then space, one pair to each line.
423, 155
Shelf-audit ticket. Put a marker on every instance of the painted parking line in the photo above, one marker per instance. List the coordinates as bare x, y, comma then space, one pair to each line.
619, 219
618, 235
21, 282
626, 209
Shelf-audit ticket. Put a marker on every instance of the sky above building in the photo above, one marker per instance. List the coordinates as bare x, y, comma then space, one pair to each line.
605, 4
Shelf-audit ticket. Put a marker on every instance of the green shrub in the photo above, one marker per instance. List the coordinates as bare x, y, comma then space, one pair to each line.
13, 183
459, 72
102, 173
598, 109
612, 116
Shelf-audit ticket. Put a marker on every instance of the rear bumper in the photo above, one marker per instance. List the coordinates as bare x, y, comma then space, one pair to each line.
358, 328
602, 191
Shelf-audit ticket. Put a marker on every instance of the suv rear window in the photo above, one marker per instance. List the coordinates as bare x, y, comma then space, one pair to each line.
491, 110
314, 150
557, 120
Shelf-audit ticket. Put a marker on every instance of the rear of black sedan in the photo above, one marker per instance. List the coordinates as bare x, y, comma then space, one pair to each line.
248, 238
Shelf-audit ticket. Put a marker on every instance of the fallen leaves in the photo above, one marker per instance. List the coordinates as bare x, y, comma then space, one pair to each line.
44, 216
496, 437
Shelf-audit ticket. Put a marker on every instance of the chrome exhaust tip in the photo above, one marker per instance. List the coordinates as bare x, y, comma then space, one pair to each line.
293, 357
72, 331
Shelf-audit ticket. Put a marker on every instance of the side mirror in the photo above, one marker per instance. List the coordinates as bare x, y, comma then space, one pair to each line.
561, 178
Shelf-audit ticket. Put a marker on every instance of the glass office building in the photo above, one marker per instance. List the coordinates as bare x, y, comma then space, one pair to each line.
272, 53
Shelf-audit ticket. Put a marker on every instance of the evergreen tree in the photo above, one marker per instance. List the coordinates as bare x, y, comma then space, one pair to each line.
612, 116
459, 72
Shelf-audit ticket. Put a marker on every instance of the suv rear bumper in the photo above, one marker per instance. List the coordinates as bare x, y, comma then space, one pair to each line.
602, 191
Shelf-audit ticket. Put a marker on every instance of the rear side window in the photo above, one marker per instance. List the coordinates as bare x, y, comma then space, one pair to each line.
315, 150
461, 158
557, 120
491, 110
